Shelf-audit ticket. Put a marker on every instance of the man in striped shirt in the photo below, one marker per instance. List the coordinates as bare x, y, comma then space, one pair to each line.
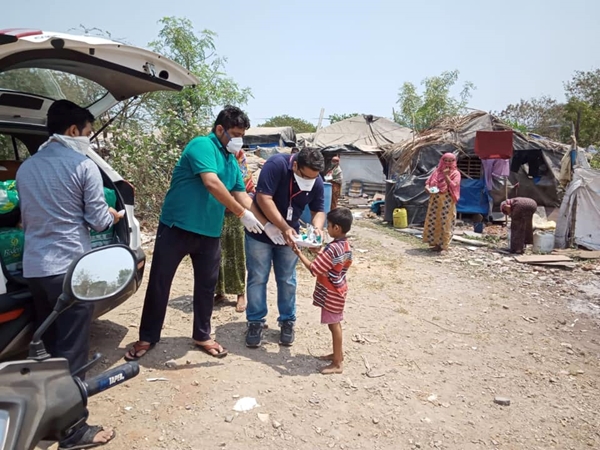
330, 268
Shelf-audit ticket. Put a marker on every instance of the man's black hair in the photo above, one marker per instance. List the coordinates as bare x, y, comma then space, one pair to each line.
63, 114
312, 159
342, 217
232, 117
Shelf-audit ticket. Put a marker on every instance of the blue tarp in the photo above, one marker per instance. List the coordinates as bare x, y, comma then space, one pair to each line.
474, 197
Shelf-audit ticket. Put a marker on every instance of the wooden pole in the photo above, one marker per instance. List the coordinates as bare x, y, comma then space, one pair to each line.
505, 198
321, 119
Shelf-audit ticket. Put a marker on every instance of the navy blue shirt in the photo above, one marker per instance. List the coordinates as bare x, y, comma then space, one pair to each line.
277, 180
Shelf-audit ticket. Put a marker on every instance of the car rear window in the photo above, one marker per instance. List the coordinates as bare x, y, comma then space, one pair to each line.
7, 149
52, 84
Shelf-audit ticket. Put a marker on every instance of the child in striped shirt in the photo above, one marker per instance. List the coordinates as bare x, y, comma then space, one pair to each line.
330, 267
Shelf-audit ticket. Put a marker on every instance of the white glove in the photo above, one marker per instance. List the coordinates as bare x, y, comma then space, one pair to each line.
274, 234
251, 222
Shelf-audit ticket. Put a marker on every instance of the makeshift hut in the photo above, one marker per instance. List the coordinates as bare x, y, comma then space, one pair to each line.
358, 140
579, 217
533, 171
303, 139
269, 137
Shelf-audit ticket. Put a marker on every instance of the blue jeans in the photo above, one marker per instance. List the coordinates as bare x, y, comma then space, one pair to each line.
259, 258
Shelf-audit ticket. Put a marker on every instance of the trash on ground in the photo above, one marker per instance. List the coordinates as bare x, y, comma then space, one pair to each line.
245, 404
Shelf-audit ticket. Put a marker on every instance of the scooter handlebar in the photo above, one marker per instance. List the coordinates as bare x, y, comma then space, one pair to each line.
111, 378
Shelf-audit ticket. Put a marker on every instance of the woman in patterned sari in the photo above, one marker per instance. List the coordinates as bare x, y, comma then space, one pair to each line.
232, 273
521, 211
333, 175
444, 188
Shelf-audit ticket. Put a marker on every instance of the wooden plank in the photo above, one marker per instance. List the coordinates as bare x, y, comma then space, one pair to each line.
564, 264
469, 241
583, 254
411, 231
534, 259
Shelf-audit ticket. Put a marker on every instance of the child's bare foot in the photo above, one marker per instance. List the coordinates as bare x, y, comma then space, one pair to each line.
333, 368
327, 357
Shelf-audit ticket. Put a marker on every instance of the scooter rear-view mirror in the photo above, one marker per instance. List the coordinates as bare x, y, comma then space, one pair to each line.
100, 274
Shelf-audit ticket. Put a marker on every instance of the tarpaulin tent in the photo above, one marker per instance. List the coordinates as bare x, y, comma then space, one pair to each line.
270, 137
579, 218
358, 140
535, 166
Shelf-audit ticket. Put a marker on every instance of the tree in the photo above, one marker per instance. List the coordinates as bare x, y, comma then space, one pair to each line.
194, 106
583, 106
421, 111
333, 118
543, 116
146, 141
299, 125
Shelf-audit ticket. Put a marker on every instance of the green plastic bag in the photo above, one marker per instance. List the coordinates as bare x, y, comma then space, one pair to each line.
9, 197
102, 238
12, 241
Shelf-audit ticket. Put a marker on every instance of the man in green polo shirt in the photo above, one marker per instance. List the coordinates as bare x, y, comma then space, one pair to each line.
205, 181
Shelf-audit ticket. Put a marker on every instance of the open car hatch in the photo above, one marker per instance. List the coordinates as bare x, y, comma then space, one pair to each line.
39, 67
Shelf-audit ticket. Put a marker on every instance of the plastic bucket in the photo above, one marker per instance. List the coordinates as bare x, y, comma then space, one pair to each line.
306, 217
543, 242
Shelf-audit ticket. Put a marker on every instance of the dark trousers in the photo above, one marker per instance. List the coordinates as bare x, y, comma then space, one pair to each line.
69, 336
171, 246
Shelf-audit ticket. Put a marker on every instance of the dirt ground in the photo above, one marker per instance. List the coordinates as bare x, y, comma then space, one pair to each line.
430, 342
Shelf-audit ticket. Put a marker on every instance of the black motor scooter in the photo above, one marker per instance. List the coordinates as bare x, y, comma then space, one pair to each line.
40, 398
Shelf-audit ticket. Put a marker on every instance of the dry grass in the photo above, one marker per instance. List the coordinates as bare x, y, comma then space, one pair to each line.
447, 131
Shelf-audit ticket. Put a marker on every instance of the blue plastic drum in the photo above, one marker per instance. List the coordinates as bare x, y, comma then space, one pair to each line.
305, 217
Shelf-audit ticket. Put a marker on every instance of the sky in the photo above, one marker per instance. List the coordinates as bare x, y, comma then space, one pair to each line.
298, 56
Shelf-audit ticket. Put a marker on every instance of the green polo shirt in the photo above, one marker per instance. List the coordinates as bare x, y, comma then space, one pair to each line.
188, 204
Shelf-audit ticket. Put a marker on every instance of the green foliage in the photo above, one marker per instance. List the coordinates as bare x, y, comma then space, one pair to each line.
299, 125
333, 118
583, 106
543, 116
146, 142
421, 111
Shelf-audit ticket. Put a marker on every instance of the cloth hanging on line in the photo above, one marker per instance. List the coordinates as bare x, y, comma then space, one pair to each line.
494, 168
532, 158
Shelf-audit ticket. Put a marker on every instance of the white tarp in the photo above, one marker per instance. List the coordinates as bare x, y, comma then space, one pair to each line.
361, 166
281, 136
582, 199
363, 132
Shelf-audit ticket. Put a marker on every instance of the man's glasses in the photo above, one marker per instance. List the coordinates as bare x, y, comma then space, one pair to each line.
304, 176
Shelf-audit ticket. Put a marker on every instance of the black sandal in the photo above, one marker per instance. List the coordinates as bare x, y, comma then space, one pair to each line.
87, 440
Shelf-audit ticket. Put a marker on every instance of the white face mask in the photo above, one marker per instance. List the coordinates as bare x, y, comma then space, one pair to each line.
80, 144
235, 145
304, 184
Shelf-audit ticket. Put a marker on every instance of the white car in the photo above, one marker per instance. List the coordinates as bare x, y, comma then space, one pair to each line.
37, 68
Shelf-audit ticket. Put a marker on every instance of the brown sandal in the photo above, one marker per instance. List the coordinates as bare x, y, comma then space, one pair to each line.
132, 354
206, 348
219, 298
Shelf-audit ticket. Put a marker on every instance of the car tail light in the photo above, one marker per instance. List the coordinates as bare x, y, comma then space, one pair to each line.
11, 315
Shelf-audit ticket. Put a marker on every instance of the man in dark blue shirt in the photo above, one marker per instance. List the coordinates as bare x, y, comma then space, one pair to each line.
287, 183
